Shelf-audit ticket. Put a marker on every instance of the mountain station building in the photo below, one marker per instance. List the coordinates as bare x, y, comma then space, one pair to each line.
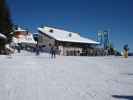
68, 43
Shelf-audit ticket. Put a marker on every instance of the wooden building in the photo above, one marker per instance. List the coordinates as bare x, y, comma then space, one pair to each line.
68, 43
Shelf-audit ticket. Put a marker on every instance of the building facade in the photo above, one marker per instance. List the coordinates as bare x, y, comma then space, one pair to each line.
24, 39
67, 43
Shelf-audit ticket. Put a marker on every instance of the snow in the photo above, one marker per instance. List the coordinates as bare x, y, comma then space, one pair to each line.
66, 36
2, 36
29, 77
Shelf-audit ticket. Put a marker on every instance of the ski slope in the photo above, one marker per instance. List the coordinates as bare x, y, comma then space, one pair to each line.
29, 77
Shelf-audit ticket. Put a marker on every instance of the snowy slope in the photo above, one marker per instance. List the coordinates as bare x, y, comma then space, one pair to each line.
28, 77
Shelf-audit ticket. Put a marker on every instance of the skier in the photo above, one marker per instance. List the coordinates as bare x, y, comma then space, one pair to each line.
18, 48
126, 50
53, 52
37, 50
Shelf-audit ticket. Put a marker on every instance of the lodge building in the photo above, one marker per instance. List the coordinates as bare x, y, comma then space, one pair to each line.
68, 43
24, 39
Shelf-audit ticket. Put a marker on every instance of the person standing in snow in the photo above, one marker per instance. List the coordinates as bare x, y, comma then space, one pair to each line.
18, 48
53, 52
126, 49
37, 50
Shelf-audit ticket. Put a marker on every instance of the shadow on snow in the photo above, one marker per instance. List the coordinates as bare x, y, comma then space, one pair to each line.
128, 97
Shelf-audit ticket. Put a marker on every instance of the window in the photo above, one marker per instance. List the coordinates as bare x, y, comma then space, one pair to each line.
51, 31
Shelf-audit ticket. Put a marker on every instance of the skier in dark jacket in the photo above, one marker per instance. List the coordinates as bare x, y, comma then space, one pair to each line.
19, 48
53, 52
37, 50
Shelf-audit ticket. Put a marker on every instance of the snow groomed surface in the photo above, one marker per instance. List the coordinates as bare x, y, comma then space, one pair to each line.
29, 77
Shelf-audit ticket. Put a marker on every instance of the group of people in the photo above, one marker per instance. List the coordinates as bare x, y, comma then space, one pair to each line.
11, 49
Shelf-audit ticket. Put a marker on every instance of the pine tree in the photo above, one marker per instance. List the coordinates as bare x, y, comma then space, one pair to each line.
5, 23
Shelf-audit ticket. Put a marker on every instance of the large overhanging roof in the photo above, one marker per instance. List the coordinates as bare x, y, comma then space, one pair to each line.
3, 36
65, 36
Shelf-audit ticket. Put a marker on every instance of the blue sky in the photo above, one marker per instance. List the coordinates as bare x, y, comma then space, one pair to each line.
83, 16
